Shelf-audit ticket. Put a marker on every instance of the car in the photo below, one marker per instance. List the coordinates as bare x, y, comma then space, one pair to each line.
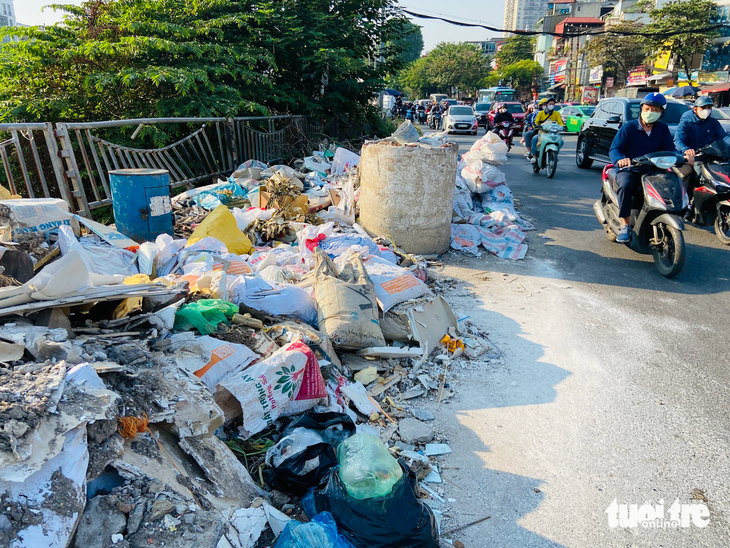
460, 118
598, 131
573, 117
449, 102
722, 115
514, 107
481, 110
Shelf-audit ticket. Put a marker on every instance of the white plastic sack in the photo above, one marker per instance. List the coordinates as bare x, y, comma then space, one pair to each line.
252, 214
489, 148
463, 205
481, 176
275, 299
338, 244
344, 211
393, 284
263, 390
311, 232
168, 249
220, 360
99, 258
466, 238
344, 160
36, 216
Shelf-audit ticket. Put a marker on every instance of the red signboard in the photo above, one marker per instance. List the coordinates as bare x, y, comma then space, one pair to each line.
637, 77
609, 81
560, 67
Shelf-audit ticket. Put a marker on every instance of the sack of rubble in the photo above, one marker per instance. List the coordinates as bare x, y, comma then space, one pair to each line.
347, 306
490, 149
396, 520
481, 176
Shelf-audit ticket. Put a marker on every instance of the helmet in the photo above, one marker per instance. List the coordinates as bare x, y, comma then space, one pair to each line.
704, 101
542, 101
655, 99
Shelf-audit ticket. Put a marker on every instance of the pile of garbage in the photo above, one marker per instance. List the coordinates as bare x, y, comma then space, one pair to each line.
484, 207
251, 381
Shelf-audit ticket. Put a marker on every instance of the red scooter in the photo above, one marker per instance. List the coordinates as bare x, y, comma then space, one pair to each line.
505, 131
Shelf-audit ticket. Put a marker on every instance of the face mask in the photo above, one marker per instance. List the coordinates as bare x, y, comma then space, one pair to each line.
704, 114
550, 107
650, 117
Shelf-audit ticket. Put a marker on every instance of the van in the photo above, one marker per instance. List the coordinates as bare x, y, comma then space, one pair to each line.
438, 97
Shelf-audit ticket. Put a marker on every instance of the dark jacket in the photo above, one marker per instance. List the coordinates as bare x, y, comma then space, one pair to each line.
506, 117
694, 133
631, 141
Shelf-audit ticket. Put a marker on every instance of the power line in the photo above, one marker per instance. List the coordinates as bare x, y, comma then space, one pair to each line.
587, 32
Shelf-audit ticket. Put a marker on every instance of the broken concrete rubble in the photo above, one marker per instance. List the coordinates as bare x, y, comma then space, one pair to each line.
103, 397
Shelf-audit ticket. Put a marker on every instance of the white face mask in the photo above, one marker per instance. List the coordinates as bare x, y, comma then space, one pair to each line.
704, 113
550, 107
650, 117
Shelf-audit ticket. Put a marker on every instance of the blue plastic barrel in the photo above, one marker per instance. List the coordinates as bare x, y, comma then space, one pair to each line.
141, 201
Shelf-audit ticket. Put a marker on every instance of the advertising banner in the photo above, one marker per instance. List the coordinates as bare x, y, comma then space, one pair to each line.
596, 75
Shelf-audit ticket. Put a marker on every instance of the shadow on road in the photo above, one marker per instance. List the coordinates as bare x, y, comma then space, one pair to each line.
504, 496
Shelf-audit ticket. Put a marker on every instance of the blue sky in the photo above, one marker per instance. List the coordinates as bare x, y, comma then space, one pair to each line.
489, 12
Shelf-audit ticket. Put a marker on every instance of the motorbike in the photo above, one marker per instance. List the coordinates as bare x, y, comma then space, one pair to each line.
422, 117
656, 213
435, 121
549, 143
505, 130
409, 115
711, 198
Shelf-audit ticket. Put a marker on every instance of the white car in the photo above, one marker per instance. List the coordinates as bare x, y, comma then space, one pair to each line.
460, 118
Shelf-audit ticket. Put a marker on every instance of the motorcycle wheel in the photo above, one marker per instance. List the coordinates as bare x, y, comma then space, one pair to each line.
536, 167
552, 163
722, 225
669, 255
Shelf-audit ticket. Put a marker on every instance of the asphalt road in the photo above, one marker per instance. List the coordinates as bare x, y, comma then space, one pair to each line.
615, 382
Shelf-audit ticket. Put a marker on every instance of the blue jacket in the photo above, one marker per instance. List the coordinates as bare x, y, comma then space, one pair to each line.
530, 120
631, 141
695, 133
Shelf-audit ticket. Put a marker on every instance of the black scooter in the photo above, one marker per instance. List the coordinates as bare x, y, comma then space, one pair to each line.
422, 117
435, 121
656, 213
711, 199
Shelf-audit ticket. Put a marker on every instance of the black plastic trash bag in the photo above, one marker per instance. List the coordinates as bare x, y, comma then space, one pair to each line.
397, 520
305, 453
334, 427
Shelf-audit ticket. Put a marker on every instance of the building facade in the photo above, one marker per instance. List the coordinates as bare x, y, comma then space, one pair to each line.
491, 46
7, 13
522, 14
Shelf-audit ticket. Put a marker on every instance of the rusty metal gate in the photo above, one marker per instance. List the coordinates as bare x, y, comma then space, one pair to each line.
73, 162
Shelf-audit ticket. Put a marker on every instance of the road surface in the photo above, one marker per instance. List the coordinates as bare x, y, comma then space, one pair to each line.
614, 385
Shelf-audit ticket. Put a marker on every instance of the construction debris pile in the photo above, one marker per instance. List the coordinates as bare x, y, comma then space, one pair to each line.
253, 380
484, 207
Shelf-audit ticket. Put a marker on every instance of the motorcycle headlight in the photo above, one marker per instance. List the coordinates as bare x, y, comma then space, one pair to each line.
664, 162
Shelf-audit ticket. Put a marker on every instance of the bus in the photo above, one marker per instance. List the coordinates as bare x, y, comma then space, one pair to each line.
499, 93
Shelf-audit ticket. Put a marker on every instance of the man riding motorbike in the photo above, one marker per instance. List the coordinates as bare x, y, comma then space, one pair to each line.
696, 130
547, 115
637, 138
529, 129
503, 116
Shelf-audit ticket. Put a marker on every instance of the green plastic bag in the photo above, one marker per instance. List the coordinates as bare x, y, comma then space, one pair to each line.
366, 467
204, 315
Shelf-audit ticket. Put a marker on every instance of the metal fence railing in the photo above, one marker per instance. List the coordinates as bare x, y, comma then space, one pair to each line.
73, 162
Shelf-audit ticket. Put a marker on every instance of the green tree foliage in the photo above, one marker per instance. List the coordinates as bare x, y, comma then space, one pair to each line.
460, 65
616, 53
145, 58
678, 16
516, 48
522, 74
408, 42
